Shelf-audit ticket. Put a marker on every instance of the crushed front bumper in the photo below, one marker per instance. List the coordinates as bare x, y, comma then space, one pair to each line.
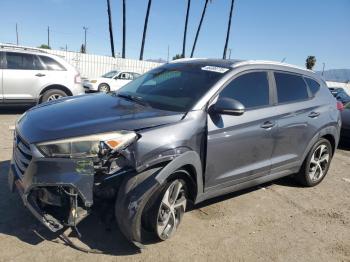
53, 186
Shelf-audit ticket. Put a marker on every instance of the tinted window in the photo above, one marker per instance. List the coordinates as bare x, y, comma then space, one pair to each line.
313, 85
23, 61
251, 89
173, 87
52, 64
290, 88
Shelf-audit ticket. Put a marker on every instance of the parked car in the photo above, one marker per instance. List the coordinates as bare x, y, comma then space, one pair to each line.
188, 130
110, 81
345, 129
341, 96
29, 76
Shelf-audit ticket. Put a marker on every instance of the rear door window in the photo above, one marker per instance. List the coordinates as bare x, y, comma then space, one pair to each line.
313, 85
21, 61
51, 64
290, 87
251, 89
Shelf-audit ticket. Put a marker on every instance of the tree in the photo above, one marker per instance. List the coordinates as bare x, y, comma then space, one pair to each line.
185, 31
110, 27
228, 30
44, 46
310, 62
124, 29
199, 26
82, 49
177, 56
145, 29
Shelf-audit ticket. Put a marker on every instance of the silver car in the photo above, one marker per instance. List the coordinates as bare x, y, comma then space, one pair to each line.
30, 76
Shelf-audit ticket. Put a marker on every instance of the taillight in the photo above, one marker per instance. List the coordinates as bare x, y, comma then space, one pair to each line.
77, 79
340, 106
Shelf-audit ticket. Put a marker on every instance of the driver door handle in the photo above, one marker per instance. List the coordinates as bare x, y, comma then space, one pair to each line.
267, 124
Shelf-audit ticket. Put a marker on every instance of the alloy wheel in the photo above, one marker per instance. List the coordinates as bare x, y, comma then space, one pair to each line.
171, 210
104, 88
54, 97
319, 163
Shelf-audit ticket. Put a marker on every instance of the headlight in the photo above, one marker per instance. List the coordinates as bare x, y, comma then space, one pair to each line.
87, 146
93, 81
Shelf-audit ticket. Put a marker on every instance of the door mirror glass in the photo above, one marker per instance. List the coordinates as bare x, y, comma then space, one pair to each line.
227, 106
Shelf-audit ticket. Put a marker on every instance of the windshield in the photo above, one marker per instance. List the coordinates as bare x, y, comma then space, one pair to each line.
174, 87
110, 74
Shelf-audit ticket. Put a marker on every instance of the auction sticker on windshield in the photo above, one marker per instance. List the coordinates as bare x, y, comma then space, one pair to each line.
216, 69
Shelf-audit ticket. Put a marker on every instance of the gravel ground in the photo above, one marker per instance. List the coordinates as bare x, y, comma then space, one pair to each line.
278, 221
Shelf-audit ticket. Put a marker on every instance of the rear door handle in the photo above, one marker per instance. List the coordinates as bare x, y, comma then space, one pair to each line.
314, 114
267, 124
39, 75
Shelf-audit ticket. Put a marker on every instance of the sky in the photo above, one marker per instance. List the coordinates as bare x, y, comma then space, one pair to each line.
261, 29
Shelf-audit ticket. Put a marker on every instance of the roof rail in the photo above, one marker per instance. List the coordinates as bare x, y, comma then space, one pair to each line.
185, 59
24, 48
266, 62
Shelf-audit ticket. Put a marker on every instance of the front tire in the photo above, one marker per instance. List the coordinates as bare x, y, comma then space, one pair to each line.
104, 88
166, 209
316, 164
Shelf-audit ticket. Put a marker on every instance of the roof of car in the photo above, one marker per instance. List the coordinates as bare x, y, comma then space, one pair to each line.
234, 63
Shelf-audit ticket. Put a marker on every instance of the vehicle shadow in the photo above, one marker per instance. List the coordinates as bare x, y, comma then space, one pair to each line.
96, 234
344, 145
17, 221
13, 110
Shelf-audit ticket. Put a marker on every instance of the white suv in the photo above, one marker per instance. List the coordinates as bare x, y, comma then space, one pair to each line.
29, 76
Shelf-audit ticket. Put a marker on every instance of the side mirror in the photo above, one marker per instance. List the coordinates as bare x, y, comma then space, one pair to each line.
227, 106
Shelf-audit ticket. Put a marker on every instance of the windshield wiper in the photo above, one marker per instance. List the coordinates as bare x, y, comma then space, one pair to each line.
134, 98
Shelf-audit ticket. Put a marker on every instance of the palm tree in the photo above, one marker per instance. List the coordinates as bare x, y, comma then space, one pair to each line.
310, 62
228, 30
185, 32
145, 29
199, 26
110, 27
124, 29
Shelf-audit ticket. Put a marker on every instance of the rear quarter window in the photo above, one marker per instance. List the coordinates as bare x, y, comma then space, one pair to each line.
290, 87
314, 86
52, 64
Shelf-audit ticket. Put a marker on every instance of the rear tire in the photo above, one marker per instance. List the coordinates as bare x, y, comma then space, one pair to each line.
104, 88
52, 94
316, 164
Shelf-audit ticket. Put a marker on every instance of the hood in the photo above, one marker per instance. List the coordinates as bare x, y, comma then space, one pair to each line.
89, 114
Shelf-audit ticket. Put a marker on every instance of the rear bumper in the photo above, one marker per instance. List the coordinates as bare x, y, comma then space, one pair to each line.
90, 87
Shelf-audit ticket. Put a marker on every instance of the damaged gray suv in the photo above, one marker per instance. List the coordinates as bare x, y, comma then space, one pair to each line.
184, 132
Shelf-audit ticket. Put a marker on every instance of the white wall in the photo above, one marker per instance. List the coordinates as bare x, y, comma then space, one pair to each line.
90, 65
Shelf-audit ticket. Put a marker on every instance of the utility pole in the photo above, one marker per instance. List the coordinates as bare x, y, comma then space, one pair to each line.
110, 27
85, 29
16, 34
229, 53
48, 36
168, 53
324, 65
